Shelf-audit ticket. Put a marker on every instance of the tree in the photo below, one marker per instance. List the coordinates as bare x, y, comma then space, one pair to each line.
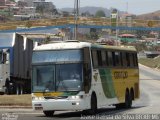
46, 9
100, 13
40, 9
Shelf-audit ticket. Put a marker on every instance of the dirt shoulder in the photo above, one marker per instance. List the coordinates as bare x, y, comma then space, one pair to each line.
16, 100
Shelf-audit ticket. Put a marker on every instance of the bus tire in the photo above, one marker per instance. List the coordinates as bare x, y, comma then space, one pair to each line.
48, 113
132, 94
127, 103
128, 100
120, 106
93, 109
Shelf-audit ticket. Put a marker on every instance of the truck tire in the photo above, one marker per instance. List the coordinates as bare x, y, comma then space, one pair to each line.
1, 93
7, 84
17, 90
48, 113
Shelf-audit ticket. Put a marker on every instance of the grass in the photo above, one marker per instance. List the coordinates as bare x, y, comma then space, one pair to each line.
15, 100
150, 62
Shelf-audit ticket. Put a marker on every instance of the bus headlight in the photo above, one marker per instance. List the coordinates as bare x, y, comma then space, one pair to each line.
37, 98
77, 97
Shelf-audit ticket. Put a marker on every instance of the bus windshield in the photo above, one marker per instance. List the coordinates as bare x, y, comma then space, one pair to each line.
61, 77
57, 56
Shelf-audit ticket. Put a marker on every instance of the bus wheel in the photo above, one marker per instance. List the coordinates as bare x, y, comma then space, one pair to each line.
128, 100
93, 109
49, 113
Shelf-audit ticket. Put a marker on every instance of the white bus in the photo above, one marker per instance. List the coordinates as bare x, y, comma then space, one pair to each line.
74, 75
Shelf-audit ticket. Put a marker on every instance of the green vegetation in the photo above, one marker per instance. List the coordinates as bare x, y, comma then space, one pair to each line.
150, 62
100, 13
15, 100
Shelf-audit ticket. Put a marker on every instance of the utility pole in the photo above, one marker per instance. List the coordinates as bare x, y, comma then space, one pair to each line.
117, 30
76, 18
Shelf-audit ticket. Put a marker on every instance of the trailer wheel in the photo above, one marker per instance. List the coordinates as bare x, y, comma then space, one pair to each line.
49, 113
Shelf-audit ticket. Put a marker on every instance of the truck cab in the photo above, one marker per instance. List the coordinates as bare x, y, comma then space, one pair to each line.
4, 71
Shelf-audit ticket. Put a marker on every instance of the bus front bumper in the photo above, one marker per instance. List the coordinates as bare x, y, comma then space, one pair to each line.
60, 104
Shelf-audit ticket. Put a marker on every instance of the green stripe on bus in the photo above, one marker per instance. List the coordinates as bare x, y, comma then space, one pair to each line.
107, 83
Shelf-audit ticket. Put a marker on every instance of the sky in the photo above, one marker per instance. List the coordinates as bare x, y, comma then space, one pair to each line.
134, 6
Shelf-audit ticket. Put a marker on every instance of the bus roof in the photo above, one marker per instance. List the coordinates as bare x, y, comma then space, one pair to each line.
77, 45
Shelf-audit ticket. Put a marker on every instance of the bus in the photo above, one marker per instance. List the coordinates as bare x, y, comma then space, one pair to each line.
82, 76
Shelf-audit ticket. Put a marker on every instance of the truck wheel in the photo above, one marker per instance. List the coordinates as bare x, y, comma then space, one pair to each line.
49, 113
1, 93
21, 89
7, 86
17, 90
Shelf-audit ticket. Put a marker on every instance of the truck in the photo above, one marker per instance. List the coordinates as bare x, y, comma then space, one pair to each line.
15, 63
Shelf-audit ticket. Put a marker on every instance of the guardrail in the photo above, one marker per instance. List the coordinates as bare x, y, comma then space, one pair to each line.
81, 21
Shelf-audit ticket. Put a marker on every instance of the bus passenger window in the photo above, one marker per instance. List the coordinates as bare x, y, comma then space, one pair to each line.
117, 59
110, 58
107, 59
121, 59
131, 59
124, 59
94, 59
99, 57
104, 58
135, 59
113, 58
128, 59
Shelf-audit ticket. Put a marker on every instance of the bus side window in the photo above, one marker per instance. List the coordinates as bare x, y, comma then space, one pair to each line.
128, 59
117, 59
104, 58
94, 59
121, 59
131, 59
114, 59
107, 58
110, 60
99, 57
87, 70
135, 59
124, 59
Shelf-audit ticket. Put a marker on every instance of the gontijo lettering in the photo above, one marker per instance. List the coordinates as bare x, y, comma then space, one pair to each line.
120, 74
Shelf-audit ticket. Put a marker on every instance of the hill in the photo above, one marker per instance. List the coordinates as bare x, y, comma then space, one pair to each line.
154, 15
91, 10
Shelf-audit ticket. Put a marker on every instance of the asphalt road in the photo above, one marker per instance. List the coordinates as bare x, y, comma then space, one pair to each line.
147, 107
